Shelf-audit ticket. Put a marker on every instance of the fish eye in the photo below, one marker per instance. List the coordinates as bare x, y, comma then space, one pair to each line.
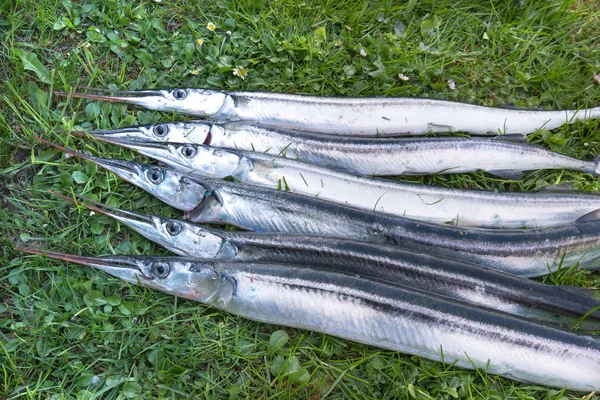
161, 269
173, 228
179, 94
161, 130
188, 151
155, 175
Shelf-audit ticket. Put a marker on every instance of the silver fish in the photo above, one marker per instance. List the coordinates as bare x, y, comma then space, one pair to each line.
530, 252
364, 156
370, 312
419, 202
462, 281
348, 116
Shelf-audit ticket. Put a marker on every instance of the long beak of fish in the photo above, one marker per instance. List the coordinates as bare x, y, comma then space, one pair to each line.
156, 150
128, 139
146, 225
132, 133
121, 168
124, 267
143, 98
143, 223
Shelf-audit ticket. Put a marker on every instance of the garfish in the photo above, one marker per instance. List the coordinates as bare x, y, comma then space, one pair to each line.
364, 156
524, 252
459, 280
369, 312
378, 116
419, 202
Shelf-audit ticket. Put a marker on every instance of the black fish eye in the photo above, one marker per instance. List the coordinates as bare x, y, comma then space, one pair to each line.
161, 269
155, 175
188, 151
173, 228
161, 130
179, 94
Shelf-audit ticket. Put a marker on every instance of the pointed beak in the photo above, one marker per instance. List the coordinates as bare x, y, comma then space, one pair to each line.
142, 98
124, 169
141, 223
132, 133
124, 267
126, 142
156, 150
146, 225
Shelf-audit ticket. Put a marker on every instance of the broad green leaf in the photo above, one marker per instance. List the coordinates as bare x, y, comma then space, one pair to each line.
91, 168
277, 340
42, 347
92, 110
269, 42
126, 308
96, 228
79, 177
113, 300
320, 34
427, 28
299, 376
31, 63
94, 298
157, 358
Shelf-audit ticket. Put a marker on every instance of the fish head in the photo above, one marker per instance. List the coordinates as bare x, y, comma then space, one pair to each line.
190, 278
170, 186
177, 132
180, 237
167, 184
196, 160
199, 102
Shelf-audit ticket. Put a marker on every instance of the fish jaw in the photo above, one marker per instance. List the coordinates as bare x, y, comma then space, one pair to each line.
180, 237
199, 102
165, 183
197, 160
176, 132
128, 268
194, 279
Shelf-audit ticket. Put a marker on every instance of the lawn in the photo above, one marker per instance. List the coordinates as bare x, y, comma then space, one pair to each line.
69, 332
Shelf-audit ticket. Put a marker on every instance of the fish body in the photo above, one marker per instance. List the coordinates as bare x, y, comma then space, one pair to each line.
378, 116
523, 252
530, 252
371, 312
445, 277
364, 156
419, 202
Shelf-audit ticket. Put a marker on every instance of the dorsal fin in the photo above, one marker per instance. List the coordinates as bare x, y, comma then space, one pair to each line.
593, 216
512, 137
558, 187
508, 174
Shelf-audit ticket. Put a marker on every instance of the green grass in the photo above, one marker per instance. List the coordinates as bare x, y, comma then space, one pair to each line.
69, 332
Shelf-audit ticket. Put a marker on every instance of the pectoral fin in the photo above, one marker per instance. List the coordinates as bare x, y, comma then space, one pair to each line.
510, 174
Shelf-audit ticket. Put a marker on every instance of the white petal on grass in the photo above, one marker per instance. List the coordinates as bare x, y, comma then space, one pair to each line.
240, 71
